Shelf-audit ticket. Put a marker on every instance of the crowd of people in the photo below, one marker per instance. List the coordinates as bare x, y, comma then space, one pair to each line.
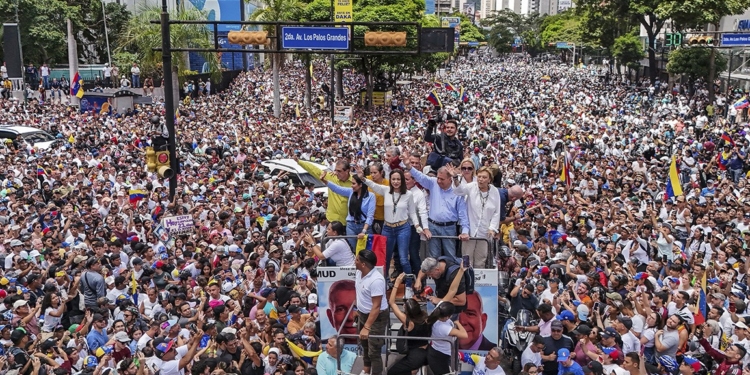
554, 175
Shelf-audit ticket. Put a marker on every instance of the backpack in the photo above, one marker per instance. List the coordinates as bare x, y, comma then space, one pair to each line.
468, 274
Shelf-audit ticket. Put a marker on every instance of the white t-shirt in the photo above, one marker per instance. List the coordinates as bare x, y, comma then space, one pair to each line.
614, 369
173, 367
442, 330
339, 251
481, 369
369, 286
630, 343
50, 322
528, 356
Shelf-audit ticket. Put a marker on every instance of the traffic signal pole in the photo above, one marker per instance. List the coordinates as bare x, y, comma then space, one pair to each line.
169, 107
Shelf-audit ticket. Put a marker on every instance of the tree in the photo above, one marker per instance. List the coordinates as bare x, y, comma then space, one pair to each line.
140, 37
92, 43
506, 25
628, 50
694, 63
694, 14
274, 11
43, 27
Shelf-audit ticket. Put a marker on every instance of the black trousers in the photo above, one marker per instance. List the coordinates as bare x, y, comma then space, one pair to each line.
415, 359
440, 363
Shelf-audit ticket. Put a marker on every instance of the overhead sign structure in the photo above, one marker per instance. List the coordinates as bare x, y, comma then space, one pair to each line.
562, 45
326, 38
182, 224
735, 40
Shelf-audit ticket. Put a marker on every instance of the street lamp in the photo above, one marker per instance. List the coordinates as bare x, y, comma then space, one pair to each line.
106, 33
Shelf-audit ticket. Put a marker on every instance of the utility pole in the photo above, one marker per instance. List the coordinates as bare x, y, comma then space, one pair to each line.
169, 106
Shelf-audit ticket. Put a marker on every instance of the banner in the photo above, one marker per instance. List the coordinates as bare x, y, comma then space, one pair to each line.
455, 23
337, 293
343, 113
343, 11
429, 7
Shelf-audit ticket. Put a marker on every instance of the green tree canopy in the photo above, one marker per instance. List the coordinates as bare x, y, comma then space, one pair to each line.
628, 49
694, 62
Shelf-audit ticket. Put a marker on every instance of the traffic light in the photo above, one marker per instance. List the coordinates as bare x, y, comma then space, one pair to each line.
163, 166
703, 40
385, 38
150, 159
245, 38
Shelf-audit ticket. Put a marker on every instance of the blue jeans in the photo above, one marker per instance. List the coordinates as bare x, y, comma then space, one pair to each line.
45, 82
353, 229
414, 244
136, 80
400, 236
443, 247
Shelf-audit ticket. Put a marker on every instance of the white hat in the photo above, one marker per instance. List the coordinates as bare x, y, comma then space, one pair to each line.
19, 303
109, 280
312, 298
739, 324
34, 253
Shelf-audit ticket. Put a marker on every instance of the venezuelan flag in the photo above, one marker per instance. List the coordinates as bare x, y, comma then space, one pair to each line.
434, 99
464, 95
449, 86
727, 138
305, 355
40, 171
674, 189
565, 175
136, 195
176, 116
76, 86
702, 311
742, 103
438, 84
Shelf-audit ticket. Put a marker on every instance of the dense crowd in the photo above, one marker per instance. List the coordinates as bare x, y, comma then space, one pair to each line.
555, 175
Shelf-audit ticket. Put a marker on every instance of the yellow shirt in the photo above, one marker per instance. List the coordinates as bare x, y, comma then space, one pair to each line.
337, 204
294, 326
379, 201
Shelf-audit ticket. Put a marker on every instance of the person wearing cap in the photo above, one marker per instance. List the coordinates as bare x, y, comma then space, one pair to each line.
92, 283
566, 364
298, 319
121, 346
630, 343
168, 354
24, 315
97, 336
610, 359
372, 309
552, 345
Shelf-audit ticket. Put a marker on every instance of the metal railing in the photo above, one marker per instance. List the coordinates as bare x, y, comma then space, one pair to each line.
456, 363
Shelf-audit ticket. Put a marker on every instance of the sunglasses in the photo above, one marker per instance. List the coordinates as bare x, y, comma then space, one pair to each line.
467, 168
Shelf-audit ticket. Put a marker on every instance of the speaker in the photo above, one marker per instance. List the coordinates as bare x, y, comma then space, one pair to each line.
12, 50
437, 39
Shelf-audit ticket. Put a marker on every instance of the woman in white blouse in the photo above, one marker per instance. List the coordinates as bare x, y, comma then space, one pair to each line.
483, 202
399, 207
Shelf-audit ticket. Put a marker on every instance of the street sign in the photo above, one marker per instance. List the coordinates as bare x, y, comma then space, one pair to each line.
329, 38
182, 224
735, 40
562, 45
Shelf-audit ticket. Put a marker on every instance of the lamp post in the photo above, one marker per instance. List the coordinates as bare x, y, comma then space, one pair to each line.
106, 33
169, 106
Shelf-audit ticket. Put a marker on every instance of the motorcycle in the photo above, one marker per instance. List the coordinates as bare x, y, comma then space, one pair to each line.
514, 342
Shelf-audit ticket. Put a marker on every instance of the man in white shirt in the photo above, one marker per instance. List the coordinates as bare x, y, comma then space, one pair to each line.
135, 73
171, 365
372, 309
417, 242
107, 75
487, 365
45, 76
533, 353
630, 343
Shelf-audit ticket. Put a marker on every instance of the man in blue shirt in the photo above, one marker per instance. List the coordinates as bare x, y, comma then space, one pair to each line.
326, 364
566, 364
446, 210
98, 335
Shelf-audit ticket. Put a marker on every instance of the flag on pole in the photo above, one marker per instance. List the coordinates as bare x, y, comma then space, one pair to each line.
312, 76
296, 111
76, 86
136, 195
742, 103
702, 313
464, 95
434, 99
438, 84
176, 116
134, 288
727, 138
449, 86
565, 175
40, 171
673, 189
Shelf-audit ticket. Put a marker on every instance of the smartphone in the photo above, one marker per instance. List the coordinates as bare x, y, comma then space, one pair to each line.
466, 261
410, 276
572, 295
596, 305
732, 307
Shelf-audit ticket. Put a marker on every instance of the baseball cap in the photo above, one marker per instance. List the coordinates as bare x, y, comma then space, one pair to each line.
694, 363
626, 321
640, 276
594, 367
563, 355
741, 325
165, 346
556, 324
566, 315
544, 270
19, 303
312, 298
122, 337
610, 332
293, 309
581, 330
614, 296
611, 352
90, 361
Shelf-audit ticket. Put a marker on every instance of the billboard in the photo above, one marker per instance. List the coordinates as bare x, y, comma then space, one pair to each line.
429, 7
221, 10
455, 23
343, 11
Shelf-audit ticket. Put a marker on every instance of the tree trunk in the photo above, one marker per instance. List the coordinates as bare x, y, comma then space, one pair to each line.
711, 74
340, 82
308, 85
276, 93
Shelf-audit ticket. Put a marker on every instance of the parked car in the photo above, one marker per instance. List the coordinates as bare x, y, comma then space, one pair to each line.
296, 173
38, 137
